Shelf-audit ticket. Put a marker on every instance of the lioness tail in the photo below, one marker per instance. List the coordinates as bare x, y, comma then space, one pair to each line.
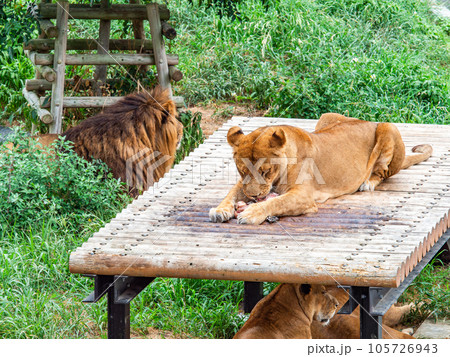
424, 152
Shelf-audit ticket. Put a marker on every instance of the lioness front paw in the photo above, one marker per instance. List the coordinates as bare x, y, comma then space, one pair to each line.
254, 214
221, 214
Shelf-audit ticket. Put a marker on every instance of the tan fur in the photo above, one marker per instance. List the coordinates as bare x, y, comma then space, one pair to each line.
288, 311
342, 156
348, 327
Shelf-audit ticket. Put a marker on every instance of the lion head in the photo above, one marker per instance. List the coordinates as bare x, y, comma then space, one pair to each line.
320, 304
258, 157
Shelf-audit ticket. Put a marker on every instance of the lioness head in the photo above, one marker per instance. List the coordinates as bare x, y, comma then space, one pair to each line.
319, 301
257, 157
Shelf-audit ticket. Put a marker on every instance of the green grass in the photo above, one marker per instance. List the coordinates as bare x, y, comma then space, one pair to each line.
430, 292
377, 60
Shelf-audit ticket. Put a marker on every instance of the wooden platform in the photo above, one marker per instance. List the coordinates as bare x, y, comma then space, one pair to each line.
363, 239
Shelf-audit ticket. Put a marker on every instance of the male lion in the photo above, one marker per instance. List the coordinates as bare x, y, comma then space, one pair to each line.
288, 312
341, 156
136, 138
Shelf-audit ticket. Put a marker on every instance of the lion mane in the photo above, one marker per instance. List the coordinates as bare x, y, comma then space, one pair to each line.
136, 138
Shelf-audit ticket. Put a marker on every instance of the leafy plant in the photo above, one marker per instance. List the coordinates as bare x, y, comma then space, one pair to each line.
37, 183
192, 133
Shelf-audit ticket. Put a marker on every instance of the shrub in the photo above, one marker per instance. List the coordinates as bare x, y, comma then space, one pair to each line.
37, 183
192, 134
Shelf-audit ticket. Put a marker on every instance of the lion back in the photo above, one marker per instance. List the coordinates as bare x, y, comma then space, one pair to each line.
131, 136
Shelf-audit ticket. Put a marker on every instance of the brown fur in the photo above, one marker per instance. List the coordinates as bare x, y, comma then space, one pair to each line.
342, 156
141, 125
288, 311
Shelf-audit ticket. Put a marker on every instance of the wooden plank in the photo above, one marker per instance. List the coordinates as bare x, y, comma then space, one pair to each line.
59, 67
103, 45
44, 115
175, 74
168, 31
47, 73
77, 83
159, 49
381, 235
97, 102
138, 32
48, 28
107, 59
139, 45
95, 12
229, 269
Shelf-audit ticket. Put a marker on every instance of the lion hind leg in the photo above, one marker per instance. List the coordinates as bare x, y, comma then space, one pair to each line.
387, 156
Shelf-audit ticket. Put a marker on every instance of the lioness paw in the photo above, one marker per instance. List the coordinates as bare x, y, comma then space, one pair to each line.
220, 214
367, 186
252, 215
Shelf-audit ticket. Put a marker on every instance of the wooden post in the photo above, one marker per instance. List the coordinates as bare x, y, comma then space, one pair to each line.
139, 34
59, 64
103, 44
158, 47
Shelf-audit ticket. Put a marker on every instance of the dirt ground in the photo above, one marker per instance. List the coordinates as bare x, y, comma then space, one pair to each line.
215, 114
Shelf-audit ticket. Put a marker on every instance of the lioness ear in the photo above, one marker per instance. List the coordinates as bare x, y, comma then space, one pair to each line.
305, 289
278, 138
234, 136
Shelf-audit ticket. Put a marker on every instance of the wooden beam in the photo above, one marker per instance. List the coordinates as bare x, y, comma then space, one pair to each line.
95, 12
97, 102
138, 32
83, 84
48, 28
47, 73
94, 59
159, 50
90, 45
168, 31
103, 44
175, 74
33, 100
59, 64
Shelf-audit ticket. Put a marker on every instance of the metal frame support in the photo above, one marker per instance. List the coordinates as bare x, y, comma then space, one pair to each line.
121, 290
370, 325
253, 292
118, 318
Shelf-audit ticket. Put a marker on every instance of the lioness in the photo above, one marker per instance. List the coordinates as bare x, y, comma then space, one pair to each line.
288, 311
341, 156
348, 326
